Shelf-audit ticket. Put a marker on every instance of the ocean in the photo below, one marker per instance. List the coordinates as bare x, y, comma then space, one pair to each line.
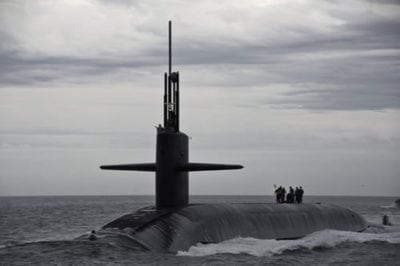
43, 231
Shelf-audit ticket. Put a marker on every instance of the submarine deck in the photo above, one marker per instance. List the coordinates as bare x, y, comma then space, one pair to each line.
180, 228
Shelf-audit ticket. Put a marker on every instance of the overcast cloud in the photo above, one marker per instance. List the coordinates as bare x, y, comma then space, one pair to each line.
282, 86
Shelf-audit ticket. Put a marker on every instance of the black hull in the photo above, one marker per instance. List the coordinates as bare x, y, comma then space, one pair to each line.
170, 230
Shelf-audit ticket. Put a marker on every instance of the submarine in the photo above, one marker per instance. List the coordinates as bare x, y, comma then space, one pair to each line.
174, 224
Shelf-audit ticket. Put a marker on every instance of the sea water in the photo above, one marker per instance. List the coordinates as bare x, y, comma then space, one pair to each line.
42, 230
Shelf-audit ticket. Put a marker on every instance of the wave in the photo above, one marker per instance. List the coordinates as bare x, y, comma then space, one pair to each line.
394, 205
55, 238
391, 206
120, 240
116, 238
270, 247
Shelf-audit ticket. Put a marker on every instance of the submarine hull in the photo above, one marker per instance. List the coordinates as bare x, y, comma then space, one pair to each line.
171, 230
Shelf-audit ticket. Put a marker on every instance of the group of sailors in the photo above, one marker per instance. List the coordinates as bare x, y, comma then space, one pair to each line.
294, 195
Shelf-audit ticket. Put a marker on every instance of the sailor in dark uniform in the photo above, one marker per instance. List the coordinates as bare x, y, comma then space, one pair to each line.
277, 194
297, 195
301, 192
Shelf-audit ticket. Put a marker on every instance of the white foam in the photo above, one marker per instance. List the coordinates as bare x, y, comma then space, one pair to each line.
392, 206
268, 247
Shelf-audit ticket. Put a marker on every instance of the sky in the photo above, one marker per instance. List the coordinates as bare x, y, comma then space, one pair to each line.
302, 93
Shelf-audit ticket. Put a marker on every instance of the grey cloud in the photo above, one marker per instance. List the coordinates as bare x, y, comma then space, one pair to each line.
350, 98
17, 69
387, 2
336, 66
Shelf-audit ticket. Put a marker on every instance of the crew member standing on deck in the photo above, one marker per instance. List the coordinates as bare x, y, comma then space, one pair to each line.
290, 195
297, 195
277, 194
283, 195
301, 192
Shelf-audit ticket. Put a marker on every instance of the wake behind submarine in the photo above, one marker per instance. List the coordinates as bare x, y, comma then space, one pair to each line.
174, 224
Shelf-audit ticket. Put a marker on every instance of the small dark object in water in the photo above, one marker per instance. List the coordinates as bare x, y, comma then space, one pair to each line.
92, 235
397, 203
385, 220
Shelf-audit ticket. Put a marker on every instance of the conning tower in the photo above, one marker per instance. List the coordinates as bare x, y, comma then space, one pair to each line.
172, 164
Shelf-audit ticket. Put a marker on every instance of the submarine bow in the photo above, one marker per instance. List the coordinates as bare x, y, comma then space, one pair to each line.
172, 150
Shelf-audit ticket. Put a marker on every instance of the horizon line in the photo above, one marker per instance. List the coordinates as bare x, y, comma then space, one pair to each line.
209, 195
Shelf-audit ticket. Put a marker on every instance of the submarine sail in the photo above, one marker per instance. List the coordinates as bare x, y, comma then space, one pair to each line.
172, 149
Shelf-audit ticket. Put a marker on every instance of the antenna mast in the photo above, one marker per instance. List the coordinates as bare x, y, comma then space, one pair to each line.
169, 47
171, 90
